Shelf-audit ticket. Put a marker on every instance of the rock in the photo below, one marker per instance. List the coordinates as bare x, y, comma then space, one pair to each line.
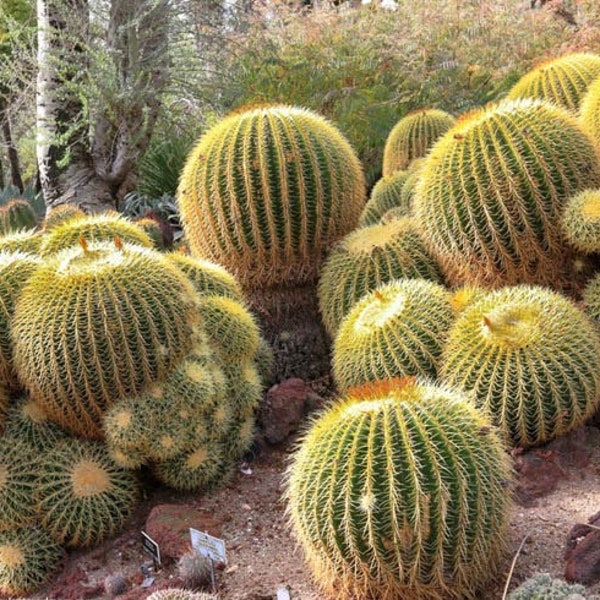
169, 526
538, 475
583, 552
574, 450
283, 409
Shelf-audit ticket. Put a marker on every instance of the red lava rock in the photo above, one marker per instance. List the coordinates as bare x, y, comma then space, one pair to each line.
69, 585
583, 553
283, 409
573, 450
538, 475
169, 526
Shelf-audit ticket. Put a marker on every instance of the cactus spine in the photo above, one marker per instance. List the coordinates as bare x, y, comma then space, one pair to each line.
266, 191
412, 137
61, 214
17, 215
367, 258
386, 194
563, 81
396, 330
581, 221
492, 191
399, 490
529, 357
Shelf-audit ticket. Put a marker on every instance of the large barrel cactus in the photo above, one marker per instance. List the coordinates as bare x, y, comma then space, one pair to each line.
266, 191
99, 323
529, 357
589, 111
398, 329
367, 258
563, 81
492, 192
385, 194
401, 490
412, 137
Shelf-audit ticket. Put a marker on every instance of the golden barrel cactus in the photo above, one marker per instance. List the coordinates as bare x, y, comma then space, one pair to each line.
581, 221
386, 194
266, 191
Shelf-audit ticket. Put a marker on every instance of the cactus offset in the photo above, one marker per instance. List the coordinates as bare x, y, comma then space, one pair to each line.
529, 357
563, 81
266, 191
493, 189
412, 137
396, 330
367, 258
385, 194
400, 490
581, 221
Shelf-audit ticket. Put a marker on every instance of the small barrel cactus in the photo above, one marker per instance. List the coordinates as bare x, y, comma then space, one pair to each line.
529, 357
179, 594
93, 228
367, 258
543, 587
581, 221
401, 490
28, 559
60, 214
563, 81
15, 270
412, 137
492, 192
194, 570
396, 330
98, 323
266, 191
385, 194
84, 497
17, 215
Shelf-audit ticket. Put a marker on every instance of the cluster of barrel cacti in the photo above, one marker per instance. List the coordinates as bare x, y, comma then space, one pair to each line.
112, 355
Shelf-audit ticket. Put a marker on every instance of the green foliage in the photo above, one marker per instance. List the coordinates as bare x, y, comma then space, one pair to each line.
492, 191
529, 357
396, 330
367, 258
581, 221
365, 69
386, 194
394, 487
28, 559
97, 323
563, 81
266, 191
84, 497
543, 587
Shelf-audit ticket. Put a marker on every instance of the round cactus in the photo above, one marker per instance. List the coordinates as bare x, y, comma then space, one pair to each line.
529, 357
385, 194
28, 558
581, 221
589, 111
152, 229
266, 191
591, 298
412, 137
97, 324
493, 189
400, 490
28, 241
208, 278
563, 81
61, 214
15, 270
17, 215
398, 329
367, 258
179, 594
84, 497
93, 228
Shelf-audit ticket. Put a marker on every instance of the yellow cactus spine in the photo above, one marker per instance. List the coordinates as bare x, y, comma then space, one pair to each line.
581, 221
386, 194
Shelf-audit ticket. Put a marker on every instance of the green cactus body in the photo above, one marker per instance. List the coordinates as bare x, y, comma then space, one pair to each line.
18, 472
393, 214
264, 360
15, 270
152, 229
400, 490
412, 137
266, 191
367, 258
97, 324
93, 228
493, 189
581, 221
28, 559
28, 241
209, 279
17, 215
589, 111
28, 422
84, 497
61, 214
407, 193
244, 388
529, 357
591, 298
396, 330
385, 194
563, 81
